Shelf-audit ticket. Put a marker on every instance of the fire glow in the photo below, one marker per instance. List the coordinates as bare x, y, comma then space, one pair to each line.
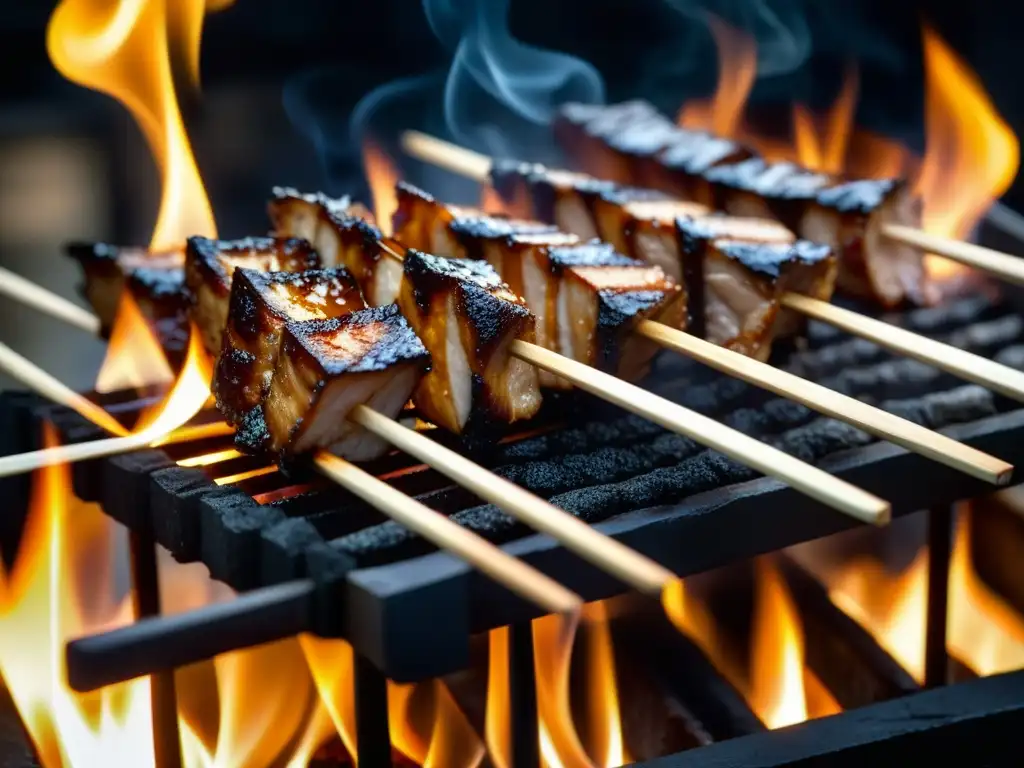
983, 632
971, 154
781, 689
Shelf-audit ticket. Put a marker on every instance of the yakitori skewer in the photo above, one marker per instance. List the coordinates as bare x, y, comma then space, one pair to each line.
999, 378
747, 450
613, 557
512, 244
866, 219
16, 287
806, 478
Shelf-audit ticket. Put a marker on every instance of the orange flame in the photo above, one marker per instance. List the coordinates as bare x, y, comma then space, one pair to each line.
737, 70
983, 632
425, 723
606, 743
824, 148
122, 49
134, 357
781, 689
971, 156
62, 586
381, 175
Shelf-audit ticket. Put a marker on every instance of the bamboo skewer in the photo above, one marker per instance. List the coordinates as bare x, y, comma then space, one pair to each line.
20, 289
1002, 265
38, 380
808, 479
438, 529
989, 374
888, 426
626, 564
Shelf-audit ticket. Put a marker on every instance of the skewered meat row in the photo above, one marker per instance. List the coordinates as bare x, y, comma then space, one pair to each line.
734, 269
586, 296
634, 144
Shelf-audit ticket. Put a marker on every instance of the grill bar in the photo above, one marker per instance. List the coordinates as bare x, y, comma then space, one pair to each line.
972, 723
940, 548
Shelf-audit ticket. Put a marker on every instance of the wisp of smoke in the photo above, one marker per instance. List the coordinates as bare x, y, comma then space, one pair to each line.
496, 82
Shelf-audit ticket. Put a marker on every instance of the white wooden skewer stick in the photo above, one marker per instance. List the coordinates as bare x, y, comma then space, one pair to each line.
514, 574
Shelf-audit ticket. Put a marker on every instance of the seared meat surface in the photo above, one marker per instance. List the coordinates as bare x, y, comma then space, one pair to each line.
154, 280
585, 296
261, 304
600, 295
344, 234
467, 318
739, 270
210, 265
847, 215
324, 369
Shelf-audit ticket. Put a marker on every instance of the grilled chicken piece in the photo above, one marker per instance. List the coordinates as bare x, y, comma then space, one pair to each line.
517, 249
467, 318
600, 295
344, 234
645, 228
740, 267
849, 217
154, 280
261, 303
324, 369
562, 198
210, 265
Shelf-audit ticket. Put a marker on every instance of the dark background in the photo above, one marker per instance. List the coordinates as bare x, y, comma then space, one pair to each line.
72, 164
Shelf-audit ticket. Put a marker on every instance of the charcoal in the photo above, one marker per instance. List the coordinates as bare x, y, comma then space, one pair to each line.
125, 486
941, 409
175, 495
283, 549
230, 527
811, 441
981, 338
1012, 356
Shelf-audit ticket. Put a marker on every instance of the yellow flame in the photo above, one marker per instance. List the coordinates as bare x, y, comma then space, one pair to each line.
381, 175
607, 747
982, 630
122, 49
737, 70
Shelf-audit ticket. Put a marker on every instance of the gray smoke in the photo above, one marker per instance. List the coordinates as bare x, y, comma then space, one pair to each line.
498, 85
